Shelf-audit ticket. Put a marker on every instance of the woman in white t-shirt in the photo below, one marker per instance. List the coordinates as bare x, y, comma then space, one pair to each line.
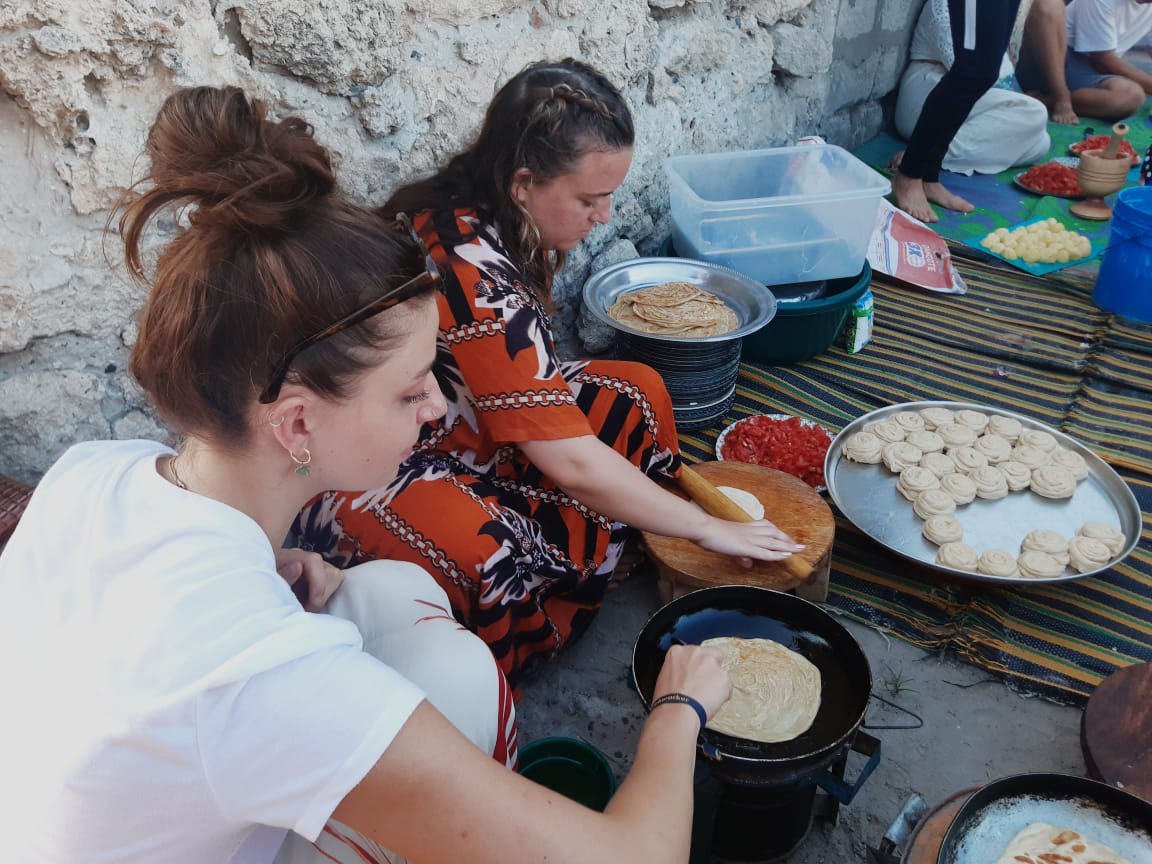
168, 699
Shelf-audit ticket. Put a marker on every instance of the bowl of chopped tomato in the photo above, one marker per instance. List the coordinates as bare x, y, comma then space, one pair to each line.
783, 442
1099, 142
1051, 178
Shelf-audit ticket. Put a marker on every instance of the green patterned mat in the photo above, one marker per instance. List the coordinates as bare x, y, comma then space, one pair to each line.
1021, 343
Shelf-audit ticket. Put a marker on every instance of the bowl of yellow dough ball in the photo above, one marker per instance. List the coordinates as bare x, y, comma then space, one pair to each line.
1045, 241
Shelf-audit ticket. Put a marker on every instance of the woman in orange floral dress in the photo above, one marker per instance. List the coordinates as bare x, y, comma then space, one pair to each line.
518, 500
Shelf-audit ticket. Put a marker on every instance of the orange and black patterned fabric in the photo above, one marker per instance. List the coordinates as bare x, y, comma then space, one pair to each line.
525, 565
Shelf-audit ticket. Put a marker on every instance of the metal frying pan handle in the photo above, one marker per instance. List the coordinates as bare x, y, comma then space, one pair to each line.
842, 790
919, 720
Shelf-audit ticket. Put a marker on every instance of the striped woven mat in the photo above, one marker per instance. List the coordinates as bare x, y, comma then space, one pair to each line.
1038, 347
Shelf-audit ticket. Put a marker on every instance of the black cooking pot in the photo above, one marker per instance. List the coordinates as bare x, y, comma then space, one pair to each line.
759, 613
994, 814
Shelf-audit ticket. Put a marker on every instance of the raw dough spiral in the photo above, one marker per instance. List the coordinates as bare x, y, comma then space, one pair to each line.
1031, 456
1105, 533
1017, 474
914, 480
1005, 427
1087, 553
934, 502
957, 434
1052, 481
936, 416
863, 447
991, 484
977, 420
967, 459
888, 431
1038, 565
961, 487
941, 464
995, 447
909, 421
1071, 460
926, 441
943, 529
957, 555
898, 456
1047, 541
997, 562
1039, 439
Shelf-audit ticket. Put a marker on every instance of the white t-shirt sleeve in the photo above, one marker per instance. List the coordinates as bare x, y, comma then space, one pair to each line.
284, 747
1092, 26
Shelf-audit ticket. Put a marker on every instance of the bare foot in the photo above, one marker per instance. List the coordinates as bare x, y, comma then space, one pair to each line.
937, 194
1061, 112
911, 198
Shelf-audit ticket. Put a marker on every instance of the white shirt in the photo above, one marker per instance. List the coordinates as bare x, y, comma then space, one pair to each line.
1107, 25
167, 700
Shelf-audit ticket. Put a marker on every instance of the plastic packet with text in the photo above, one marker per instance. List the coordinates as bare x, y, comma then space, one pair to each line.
909, 251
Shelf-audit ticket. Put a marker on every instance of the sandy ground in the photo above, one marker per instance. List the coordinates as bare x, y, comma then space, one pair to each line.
975, 728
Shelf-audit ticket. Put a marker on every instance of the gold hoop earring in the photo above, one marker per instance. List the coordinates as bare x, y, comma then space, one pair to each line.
273, 423
302, 463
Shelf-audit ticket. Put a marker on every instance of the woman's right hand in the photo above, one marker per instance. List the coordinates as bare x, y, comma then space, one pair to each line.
695, 671
748, 541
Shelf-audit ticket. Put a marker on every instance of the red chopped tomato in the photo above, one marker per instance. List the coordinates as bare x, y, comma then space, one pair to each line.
786, 445
1052, 178
1099, 142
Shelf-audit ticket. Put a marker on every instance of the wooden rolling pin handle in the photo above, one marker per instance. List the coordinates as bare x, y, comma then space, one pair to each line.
717, 504
1119, 131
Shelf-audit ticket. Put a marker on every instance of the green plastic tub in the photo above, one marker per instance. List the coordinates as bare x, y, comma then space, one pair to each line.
572, 767
807, 327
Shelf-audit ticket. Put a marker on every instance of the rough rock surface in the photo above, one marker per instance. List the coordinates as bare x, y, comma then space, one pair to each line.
392, 87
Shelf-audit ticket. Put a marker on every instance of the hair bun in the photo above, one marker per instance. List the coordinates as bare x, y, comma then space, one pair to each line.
215, 148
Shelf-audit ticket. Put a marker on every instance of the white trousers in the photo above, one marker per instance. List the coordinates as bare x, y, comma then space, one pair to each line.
406, 622
1005, 128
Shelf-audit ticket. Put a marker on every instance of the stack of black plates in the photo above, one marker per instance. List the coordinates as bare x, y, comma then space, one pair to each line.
700, 376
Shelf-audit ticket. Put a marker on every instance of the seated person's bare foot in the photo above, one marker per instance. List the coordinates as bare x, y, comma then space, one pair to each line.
911, 198
1061, 112
937, 194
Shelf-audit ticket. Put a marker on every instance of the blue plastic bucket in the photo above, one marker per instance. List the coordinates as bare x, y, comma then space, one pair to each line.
1124, 285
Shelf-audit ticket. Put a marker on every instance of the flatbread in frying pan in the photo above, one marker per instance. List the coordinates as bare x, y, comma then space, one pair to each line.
1041, 843
775, 691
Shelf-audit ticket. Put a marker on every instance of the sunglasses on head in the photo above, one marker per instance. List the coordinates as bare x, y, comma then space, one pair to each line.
413, 287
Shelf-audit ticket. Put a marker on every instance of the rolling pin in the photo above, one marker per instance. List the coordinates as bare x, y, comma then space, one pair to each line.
717, 504
1118, 132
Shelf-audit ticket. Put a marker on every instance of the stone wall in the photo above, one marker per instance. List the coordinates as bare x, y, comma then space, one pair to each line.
392, 87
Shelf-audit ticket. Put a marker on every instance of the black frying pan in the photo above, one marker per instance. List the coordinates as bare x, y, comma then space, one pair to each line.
996, 813
759, 613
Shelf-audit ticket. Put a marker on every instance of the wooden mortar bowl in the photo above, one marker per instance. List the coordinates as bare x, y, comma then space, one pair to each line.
1099, 176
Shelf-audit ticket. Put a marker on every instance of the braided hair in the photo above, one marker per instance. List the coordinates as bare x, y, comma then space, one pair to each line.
545, 119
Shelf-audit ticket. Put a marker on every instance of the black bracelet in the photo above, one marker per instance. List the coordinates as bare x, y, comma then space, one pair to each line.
681, 699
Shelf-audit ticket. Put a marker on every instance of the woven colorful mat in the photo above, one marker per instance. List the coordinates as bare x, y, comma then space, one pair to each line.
1035, 346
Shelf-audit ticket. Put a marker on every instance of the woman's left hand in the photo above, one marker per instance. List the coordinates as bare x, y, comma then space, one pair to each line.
313, 579
748, 541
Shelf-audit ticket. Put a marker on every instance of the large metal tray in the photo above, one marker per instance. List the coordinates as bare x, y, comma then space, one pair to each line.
867, 496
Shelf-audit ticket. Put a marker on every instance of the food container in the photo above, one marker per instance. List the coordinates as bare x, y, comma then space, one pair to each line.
781, 216
572, 767
699, 372
807, 328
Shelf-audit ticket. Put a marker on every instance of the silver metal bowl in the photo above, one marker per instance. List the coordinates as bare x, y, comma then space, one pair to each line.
753, 304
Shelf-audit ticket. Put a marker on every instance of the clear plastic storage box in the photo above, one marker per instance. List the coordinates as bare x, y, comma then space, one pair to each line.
783, 215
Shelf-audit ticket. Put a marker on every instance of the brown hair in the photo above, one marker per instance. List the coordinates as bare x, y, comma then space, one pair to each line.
546, 118
272, 254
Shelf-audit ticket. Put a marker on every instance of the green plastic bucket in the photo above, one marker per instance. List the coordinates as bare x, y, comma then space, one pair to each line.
807, 327
572, 767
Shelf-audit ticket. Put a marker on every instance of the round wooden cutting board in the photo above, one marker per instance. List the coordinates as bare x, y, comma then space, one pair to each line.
1116, 730
789, 503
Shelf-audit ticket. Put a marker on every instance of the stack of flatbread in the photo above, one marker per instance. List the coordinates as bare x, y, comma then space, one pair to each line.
674, 309
1041, 843
775, 690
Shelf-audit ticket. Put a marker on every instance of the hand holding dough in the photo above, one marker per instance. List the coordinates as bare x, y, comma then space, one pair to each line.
863, 447
1052, 481
957, 555
997, 562
925, 441
899, 455
934, 502
961, 487
994, 447
1038, 565
1005, 427
941, 464
1049, 542
990, 482
1087, 553
1105, 533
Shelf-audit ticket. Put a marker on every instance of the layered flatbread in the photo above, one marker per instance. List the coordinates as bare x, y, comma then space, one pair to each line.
1041, 843
775, 691
674, 309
